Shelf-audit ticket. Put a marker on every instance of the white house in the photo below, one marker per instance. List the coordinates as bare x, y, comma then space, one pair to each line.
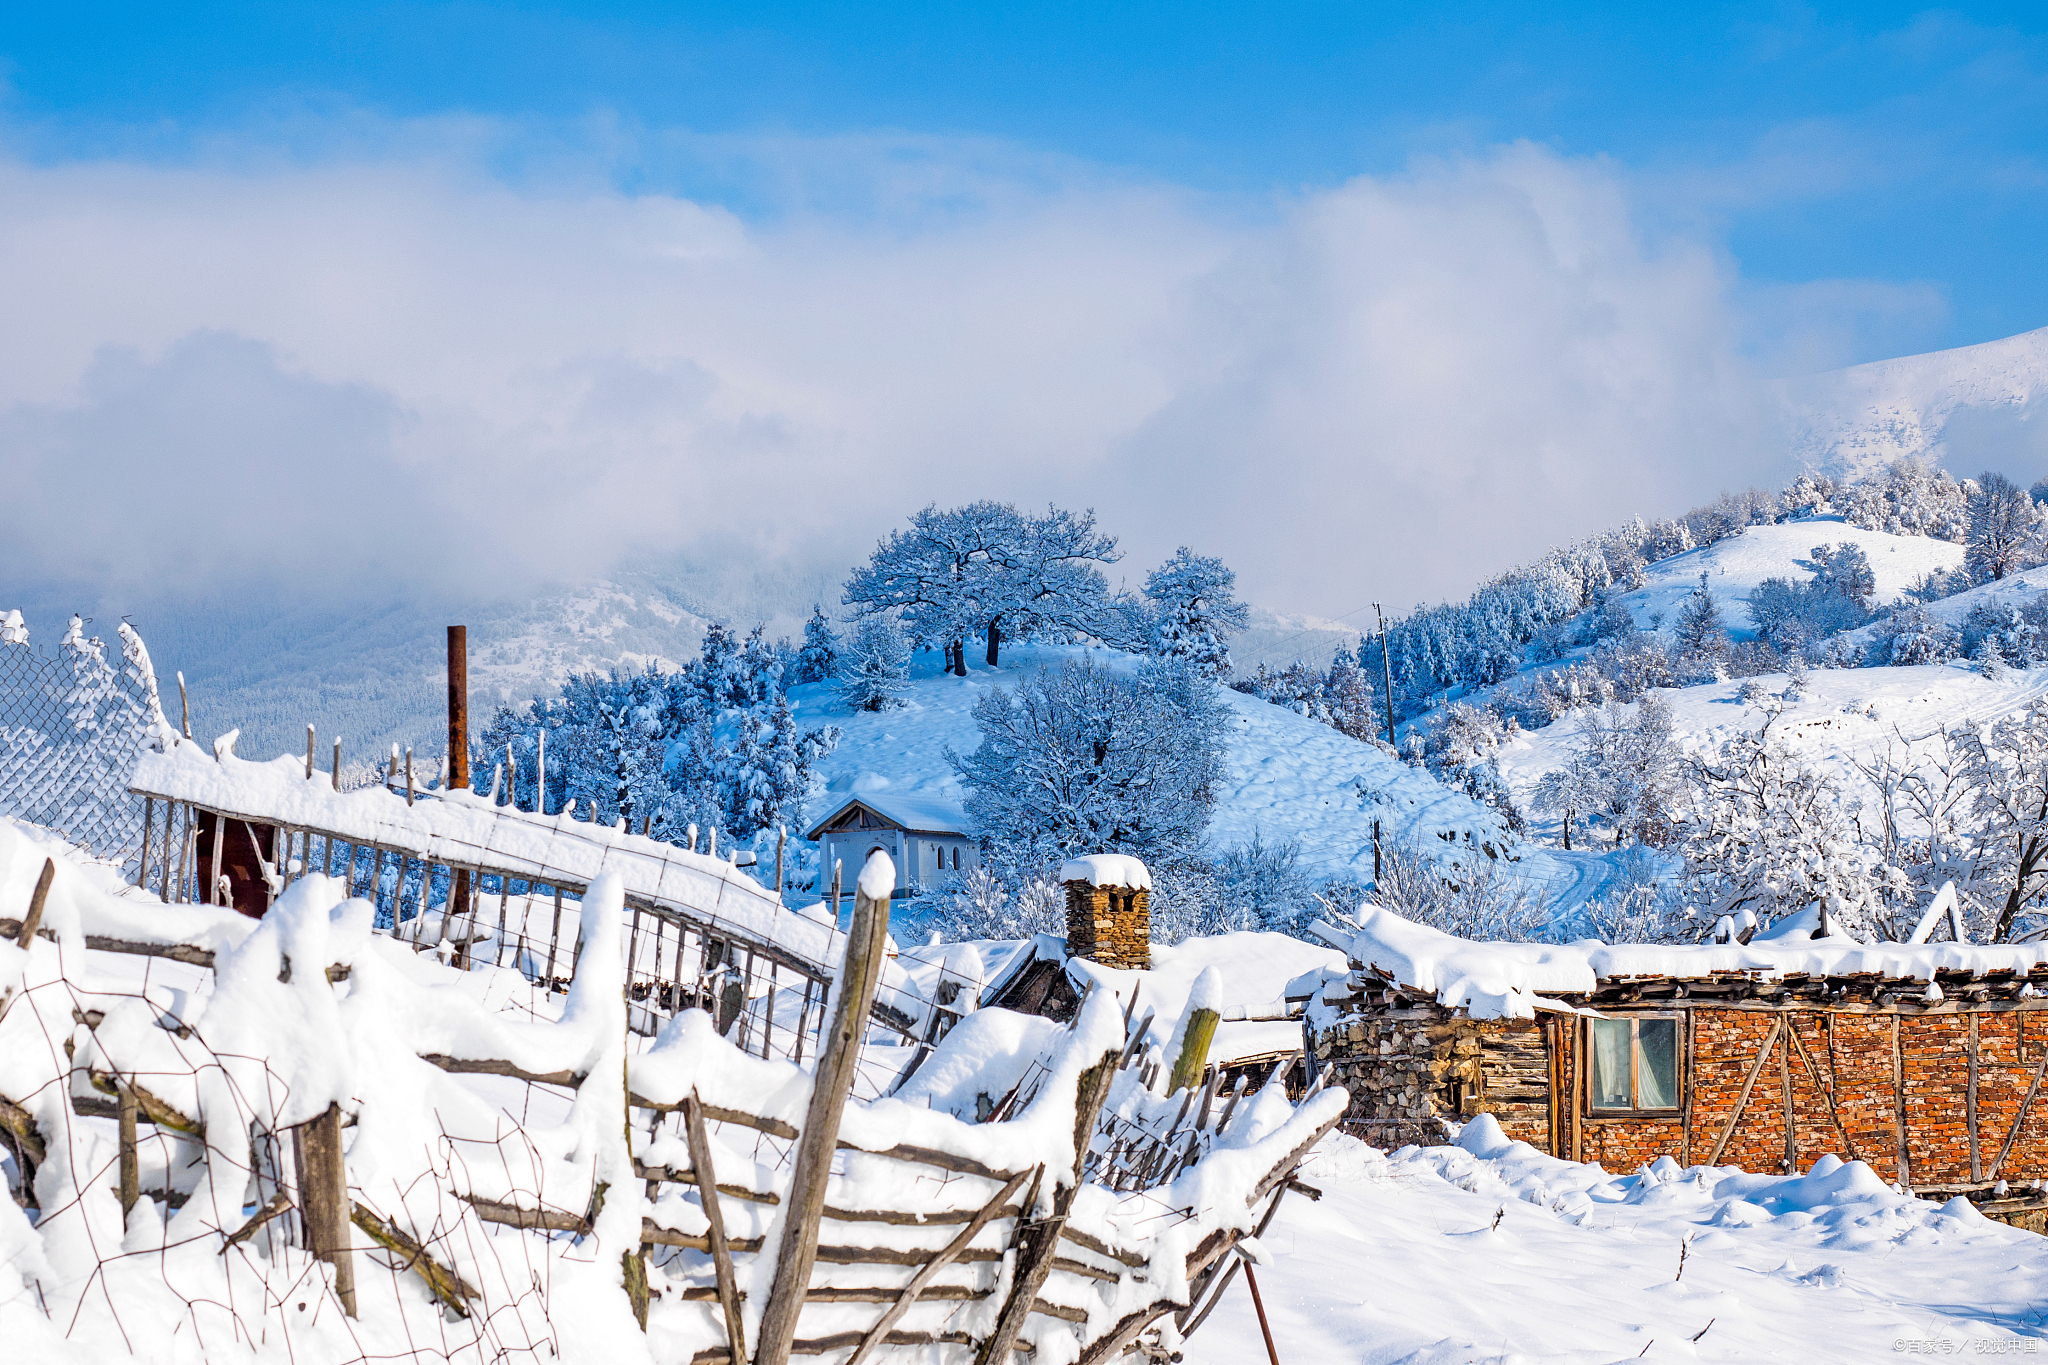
923, 836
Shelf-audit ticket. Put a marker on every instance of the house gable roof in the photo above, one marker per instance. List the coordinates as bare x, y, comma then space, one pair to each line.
911, 814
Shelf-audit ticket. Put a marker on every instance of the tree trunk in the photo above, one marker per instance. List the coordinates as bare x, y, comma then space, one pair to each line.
2031, 851
960, 658
995, 640
1567, 831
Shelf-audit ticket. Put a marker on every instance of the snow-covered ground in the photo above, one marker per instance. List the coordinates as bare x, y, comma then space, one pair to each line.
1491, 1253
1285, 777
1734, 567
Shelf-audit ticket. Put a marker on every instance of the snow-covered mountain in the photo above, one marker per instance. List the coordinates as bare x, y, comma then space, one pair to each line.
1983, 406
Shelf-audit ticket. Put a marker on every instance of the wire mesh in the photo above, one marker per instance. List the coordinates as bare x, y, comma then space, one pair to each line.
71, 726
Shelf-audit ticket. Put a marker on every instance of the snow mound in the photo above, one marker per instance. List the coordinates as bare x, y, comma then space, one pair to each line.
1107, 869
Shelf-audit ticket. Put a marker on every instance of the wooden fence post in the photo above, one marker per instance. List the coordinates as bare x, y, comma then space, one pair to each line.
838, 1060
1039, 1241
33, 921
323, 1200
131, 1173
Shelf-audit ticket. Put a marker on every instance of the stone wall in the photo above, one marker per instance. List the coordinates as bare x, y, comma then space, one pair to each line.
1110, 924
1409, 1071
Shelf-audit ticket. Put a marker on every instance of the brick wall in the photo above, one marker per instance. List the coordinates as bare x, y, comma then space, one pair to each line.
1830, 1073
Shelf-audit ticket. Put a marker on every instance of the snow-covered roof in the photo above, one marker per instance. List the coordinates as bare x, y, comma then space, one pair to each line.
1107, 869
465, 829
1511, 980
915, 814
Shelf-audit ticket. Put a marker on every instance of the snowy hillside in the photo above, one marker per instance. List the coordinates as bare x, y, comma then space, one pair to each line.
1734, 567
1837, 718
1975, 406
1285, 777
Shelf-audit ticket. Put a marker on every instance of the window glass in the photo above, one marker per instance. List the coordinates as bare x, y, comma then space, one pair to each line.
1656, 1064
1610, 1064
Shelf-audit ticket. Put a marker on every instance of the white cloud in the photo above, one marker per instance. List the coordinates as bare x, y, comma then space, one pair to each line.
1377, 390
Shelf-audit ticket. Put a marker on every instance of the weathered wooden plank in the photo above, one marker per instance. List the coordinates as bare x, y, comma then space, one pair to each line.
931, 1270
1038, 1243
1748, 1084
845, 1255
911, 1217
714, 1216
928, 1156
1072, 1234
2012, 1134
482, 1066
448, 1287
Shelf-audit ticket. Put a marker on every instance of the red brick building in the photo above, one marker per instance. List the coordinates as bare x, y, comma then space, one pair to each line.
1925, 1061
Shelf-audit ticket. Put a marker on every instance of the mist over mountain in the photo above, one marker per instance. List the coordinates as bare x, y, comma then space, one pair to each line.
1967, 409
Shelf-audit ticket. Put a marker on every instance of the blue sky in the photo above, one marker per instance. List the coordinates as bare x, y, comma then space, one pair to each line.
1371, 301
1876, 142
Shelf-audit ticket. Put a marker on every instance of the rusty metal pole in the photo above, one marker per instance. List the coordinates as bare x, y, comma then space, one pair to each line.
458, 707
458, 776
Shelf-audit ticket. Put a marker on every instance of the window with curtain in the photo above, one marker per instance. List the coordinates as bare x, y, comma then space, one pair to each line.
1634, 1063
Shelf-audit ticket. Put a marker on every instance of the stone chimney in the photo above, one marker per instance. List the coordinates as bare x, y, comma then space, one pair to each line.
1109, 910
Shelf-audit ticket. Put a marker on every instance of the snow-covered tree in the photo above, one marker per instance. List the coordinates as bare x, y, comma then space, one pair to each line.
1699, 633
2014, 633
1793, 617
2005, 529
1461, 750
2006, 767
1623, 772
987, 570
1195, 609
1263, 886
1767, 834
875, 672
1089, 759
1914, 635
715, 744
819, 658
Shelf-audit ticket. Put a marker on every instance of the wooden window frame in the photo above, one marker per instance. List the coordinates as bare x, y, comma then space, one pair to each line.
1677, 1108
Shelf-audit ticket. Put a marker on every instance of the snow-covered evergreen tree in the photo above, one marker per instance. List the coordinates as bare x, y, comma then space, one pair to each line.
819, 658
875, 672
1699, 633
1195, 609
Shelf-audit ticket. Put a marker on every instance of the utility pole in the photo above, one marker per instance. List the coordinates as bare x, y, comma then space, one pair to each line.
1386, 671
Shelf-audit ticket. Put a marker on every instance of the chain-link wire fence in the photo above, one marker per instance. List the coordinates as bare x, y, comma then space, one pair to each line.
71, 725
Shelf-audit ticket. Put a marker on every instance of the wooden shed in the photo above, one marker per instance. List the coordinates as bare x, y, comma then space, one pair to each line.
1923, 1060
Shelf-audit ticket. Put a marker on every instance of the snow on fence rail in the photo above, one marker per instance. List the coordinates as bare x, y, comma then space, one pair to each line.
459, 872
321, 1155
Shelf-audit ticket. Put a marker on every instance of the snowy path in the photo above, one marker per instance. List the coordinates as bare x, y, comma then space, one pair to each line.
1401, 1262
